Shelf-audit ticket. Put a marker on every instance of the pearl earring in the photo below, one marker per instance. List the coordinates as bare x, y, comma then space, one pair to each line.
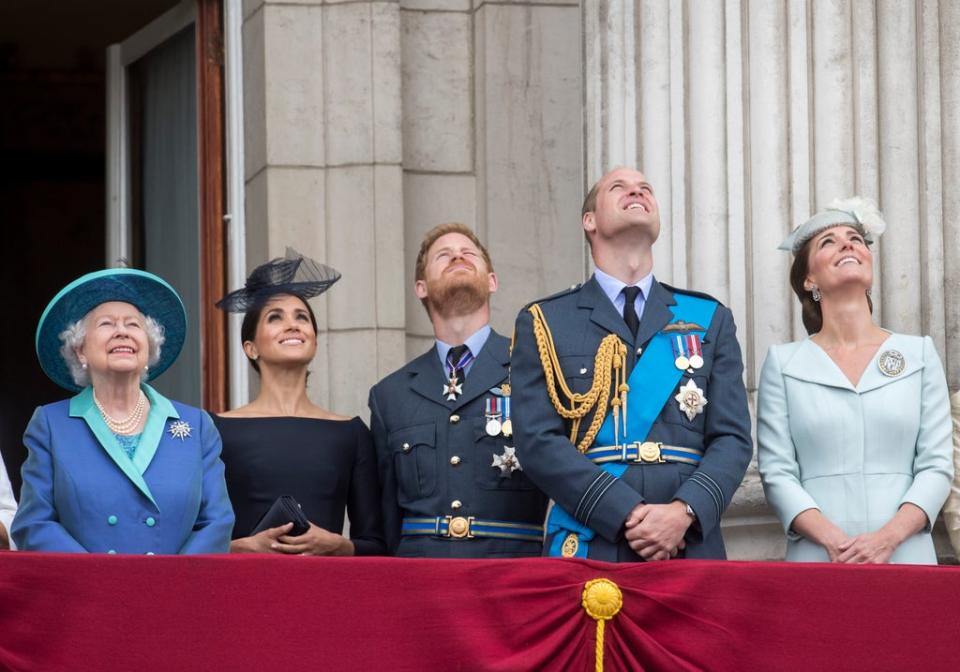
83, 365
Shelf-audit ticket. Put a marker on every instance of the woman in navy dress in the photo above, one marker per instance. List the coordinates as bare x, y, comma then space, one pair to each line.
284, 444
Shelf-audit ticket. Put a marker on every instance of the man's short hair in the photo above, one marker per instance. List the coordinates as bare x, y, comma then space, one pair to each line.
590, 205
590, 202
438, 232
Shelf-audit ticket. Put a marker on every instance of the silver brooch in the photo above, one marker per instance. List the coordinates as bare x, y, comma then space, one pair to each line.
507, 462
179, 429
891, 363
691, 399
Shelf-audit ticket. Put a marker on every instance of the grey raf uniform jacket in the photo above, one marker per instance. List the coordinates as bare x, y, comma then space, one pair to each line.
579, 319
432, 453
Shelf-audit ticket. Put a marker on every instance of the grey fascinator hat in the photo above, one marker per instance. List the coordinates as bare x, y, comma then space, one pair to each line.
858, 212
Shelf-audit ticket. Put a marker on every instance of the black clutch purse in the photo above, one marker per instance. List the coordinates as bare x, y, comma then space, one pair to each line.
284, 510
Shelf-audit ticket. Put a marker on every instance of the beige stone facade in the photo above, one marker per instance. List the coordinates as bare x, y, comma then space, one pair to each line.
369, 122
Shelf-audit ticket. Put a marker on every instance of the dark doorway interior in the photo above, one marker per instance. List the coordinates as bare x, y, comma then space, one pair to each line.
52, 175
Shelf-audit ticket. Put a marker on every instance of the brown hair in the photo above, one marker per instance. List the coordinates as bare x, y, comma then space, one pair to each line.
590, 205
590, 201
438, 232
809, 309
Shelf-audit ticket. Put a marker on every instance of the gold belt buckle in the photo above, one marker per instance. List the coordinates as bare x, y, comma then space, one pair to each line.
459, 527
648, 452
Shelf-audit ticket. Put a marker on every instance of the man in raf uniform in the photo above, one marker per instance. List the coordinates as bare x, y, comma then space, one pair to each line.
629, 405
452, 484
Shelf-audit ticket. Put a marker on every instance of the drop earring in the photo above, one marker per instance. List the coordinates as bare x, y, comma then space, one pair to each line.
815, 293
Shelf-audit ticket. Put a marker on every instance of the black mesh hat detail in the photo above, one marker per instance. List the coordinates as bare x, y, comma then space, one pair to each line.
293, 274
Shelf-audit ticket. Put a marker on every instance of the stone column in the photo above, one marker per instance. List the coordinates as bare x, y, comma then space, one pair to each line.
323, 174
528, 144
439, 179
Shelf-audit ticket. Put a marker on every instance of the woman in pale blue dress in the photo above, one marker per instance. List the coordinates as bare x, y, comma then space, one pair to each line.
854, 421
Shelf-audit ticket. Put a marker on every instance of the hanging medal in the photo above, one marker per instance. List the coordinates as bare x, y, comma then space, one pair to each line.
453, 387
681, 360
695, 348
507, 427
493, 415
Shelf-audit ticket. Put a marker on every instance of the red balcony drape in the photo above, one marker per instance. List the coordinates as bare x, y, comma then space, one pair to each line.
60, 612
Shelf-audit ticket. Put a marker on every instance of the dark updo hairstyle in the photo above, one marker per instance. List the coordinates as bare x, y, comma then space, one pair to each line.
809, 309
248, 330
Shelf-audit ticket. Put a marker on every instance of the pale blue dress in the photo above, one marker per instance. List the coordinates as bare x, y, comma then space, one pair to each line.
857, 453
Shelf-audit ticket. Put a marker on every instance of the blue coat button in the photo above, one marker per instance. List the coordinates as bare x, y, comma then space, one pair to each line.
150, 521
112, 520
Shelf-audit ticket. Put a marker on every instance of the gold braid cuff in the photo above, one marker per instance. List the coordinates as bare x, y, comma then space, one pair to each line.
608, 370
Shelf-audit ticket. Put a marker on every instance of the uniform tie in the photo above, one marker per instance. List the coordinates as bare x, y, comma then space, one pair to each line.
457, 359
629, 309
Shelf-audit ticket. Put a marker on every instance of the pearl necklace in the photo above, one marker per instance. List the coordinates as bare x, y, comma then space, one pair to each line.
128, 424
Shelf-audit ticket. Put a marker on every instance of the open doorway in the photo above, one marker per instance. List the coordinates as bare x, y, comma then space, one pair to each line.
54, 185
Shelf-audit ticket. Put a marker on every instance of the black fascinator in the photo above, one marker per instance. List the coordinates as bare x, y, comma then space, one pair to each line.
293, 274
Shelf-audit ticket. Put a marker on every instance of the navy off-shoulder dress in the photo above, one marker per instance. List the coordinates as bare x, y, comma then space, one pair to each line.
328, 466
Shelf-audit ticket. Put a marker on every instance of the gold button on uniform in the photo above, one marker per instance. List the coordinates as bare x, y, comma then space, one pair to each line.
455, 460
456, 504
454, 419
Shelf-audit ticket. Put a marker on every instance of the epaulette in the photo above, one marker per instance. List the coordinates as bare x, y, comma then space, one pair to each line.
569, 290
702, 295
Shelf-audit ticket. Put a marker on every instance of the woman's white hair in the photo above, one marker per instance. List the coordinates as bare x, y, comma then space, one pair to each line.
73, 336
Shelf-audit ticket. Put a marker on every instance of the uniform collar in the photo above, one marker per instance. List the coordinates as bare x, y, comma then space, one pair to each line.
475, 343
612, 287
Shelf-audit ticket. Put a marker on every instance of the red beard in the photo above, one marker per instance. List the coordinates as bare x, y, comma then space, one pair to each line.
457, 294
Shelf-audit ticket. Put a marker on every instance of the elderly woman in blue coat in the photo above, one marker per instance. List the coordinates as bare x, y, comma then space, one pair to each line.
119, 468
853, 421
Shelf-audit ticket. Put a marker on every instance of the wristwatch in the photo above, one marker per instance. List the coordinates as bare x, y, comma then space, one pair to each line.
690, 511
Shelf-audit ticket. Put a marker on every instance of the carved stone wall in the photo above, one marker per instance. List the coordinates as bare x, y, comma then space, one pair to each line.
747, 116
370, 122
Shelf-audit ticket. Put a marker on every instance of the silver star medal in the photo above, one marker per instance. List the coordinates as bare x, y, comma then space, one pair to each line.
453, 388
507, 462
691, 399
179, 429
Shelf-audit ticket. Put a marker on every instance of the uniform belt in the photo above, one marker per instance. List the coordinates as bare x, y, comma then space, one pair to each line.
646, 452
468, 527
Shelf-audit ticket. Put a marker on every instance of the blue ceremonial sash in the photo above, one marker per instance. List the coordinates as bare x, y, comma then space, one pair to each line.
657, 375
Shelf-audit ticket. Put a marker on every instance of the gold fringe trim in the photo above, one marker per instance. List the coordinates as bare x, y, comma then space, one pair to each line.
608, 370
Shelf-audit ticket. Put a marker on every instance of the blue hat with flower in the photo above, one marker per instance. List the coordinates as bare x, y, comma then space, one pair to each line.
151, 295
857, 212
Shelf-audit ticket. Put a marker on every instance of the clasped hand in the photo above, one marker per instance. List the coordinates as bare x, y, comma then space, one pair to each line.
655, 531
315, 541
870, 547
